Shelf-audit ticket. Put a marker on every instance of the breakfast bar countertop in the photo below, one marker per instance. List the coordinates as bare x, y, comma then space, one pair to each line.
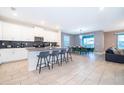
42, 49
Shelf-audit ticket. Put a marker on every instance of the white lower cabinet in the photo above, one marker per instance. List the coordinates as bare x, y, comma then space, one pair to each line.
9, 55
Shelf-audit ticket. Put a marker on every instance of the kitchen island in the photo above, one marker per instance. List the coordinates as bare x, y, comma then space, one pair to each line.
32, 56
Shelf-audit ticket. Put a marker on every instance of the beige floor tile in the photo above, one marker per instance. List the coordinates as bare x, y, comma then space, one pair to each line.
89, 69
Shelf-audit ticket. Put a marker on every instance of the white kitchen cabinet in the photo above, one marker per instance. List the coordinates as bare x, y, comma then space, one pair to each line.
17, 32
50, 36
11, 31
9, 55
39, 32
27, 33
0, 30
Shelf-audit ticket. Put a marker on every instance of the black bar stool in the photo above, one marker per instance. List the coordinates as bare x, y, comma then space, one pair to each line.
63, 55
43, 55
55, 57
69, 51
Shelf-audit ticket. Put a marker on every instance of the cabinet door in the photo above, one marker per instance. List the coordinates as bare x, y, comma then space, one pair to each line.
50, 36
39, 32
17, 32
11, 31
20, 54
6, 55
10, 55
27, 33
0, 30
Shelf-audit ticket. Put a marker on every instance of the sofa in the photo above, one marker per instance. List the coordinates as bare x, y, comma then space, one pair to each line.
114, 55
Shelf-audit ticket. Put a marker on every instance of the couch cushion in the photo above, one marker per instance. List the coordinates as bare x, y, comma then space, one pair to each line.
115, 50
121, 51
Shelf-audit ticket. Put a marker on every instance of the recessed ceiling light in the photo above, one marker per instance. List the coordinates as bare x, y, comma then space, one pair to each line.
15, 14
101, 8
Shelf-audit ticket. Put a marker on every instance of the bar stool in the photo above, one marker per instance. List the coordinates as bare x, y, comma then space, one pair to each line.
43, 63
69, 51
63, 57
55, 57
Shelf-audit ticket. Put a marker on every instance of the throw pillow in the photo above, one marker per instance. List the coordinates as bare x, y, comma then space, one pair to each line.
115, 51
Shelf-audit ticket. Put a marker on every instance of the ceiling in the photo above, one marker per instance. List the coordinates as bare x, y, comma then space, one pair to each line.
72, 20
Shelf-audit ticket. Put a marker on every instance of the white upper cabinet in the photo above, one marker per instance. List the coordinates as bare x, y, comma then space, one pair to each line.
17, 32
39, 32
11, 31
0, 30
50, 36
26, 33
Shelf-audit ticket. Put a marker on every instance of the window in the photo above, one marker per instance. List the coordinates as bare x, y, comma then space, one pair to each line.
120, 41
66, 41
88, 41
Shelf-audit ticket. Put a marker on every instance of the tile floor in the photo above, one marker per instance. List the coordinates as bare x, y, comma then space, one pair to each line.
83, 70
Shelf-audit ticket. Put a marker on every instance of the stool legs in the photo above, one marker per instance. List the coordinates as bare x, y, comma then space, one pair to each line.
61, 59
55, 60
40, 65
64, 58
48, 63
70, 56
37, 62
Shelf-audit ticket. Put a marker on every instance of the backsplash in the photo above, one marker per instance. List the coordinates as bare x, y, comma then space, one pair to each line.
23, 44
